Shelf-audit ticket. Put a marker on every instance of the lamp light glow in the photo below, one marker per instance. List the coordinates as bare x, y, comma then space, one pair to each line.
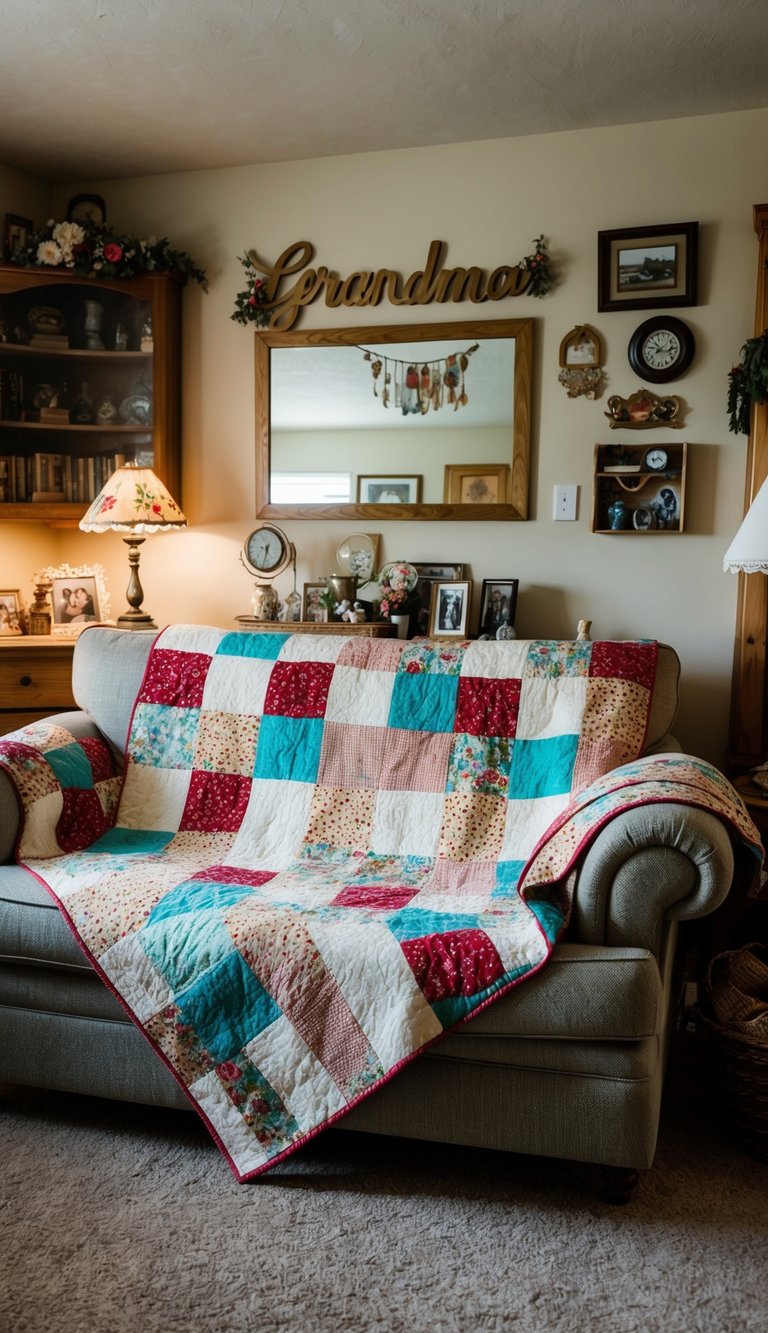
135, 502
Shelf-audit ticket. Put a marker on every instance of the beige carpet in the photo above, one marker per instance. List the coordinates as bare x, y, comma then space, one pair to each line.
117, 1218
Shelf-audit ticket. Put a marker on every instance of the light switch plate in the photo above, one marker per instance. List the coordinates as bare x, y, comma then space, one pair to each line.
565, 503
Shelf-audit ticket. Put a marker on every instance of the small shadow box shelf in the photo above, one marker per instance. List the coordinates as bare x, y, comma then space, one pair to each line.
639, 488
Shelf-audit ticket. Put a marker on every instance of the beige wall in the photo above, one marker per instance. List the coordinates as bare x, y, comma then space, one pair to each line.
487, 201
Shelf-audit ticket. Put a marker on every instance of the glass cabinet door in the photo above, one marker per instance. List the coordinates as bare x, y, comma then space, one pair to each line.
89, 380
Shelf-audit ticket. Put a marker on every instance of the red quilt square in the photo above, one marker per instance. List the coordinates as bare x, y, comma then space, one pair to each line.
376, 897
175, 678
99, 758
216, 802
487, 707
626, 661
299, 689
82, 819
234, 875
456, 962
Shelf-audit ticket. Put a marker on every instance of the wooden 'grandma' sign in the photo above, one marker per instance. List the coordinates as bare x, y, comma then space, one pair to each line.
283, 300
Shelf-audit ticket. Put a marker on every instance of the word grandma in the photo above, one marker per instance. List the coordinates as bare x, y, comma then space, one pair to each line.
368, 288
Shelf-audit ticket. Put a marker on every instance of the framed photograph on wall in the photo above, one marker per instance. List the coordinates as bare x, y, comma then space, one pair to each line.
389, 490
10, 611
475, 483
450, 608
639, 267
78, 597
498, 604
17, 234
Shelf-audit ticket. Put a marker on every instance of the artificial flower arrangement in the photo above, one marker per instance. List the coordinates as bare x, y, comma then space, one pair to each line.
251, 303
397, 589
748, 383
537, 265
93, 250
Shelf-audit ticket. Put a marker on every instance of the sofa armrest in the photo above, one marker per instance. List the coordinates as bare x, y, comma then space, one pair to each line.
650, 865
81, 726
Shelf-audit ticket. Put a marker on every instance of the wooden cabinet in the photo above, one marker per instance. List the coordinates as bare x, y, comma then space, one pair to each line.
749, 716
639, 488
66, 341
35, 679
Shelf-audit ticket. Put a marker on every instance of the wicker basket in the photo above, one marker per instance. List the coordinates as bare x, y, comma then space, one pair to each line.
733, 1018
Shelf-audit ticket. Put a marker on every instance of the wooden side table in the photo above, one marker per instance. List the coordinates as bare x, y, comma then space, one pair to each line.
35, 678
367, 629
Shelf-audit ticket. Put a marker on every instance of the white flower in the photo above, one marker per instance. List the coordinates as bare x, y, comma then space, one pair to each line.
48, 252
67, 235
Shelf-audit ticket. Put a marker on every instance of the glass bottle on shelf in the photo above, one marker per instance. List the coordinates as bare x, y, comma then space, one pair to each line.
82, 412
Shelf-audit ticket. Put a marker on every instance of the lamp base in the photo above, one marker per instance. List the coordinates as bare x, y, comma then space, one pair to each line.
135, 620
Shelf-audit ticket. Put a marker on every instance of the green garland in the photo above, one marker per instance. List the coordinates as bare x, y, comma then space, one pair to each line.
748, 383
93, 250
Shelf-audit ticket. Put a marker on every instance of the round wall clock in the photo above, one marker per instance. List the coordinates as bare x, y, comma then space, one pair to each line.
267, 552
661, 349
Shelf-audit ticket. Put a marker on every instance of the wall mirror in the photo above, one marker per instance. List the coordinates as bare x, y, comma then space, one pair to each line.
323, 428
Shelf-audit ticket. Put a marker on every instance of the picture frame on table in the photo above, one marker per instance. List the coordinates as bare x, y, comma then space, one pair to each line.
640, 267
389, 489
429, 571
79, 597
498, 604
11, 617
476, 483
17, 234
449, 610
312, 609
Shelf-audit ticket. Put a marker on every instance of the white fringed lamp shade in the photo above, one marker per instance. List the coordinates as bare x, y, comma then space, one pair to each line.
133, 500
136, 503
748, 552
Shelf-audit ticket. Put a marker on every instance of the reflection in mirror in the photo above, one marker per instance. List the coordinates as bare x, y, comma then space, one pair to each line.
378, 422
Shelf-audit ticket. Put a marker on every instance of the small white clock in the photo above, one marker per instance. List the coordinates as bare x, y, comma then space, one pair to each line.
655, 460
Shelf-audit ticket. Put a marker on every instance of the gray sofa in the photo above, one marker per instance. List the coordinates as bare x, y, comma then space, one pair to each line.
570, 1065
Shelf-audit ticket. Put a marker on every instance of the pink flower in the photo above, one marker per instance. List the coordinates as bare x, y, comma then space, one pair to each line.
113, 253
157, 509
108, 502
229, 1070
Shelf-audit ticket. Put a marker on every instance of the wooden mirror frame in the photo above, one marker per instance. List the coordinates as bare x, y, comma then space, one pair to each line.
516, 507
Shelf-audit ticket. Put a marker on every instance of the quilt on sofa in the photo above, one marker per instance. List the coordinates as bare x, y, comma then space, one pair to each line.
330, 851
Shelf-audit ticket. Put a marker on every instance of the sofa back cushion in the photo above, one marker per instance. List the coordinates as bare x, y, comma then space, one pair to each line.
109, 666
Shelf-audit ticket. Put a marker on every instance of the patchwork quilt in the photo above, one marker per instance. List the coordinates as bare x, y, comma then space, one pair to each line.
329, 851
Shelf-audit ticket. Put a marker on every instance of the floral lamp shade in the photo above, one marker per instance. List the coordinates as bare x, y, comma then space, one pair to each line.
133, 500
748, 552
136, 503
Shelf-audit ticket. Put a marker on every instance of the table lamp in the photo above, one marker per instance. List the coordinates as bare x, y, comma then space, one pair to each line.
135, 502
748, 552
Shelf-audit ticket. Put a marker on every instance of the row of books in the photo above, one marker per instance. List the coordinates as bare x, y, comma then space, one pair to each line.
55, 478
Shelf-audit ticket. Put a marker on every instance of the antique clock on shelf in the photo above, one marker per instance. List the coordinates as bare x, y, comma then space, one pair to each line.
266, 553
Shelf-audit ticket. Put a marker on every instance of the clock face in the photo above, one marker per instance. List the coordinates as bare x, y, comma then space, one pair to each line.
661, 348
267, 551
655, 460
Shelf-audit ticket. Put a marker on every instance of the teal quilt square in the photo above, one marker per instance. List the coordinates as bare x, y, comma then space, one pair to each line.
542, 767
289, 748
423, 702
186, 946
132, 841
415, 922
227, 1008
70, 766
163, 736
266, 646
507, 878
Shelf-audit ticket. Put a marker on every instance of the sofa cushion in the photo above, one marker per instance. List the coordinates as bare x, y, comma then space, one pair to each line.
585, 992
101, 657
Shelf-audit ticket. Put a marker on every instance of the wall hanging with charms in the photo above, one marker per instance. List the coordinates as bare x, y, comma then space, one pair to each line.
414, 387
581, 358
